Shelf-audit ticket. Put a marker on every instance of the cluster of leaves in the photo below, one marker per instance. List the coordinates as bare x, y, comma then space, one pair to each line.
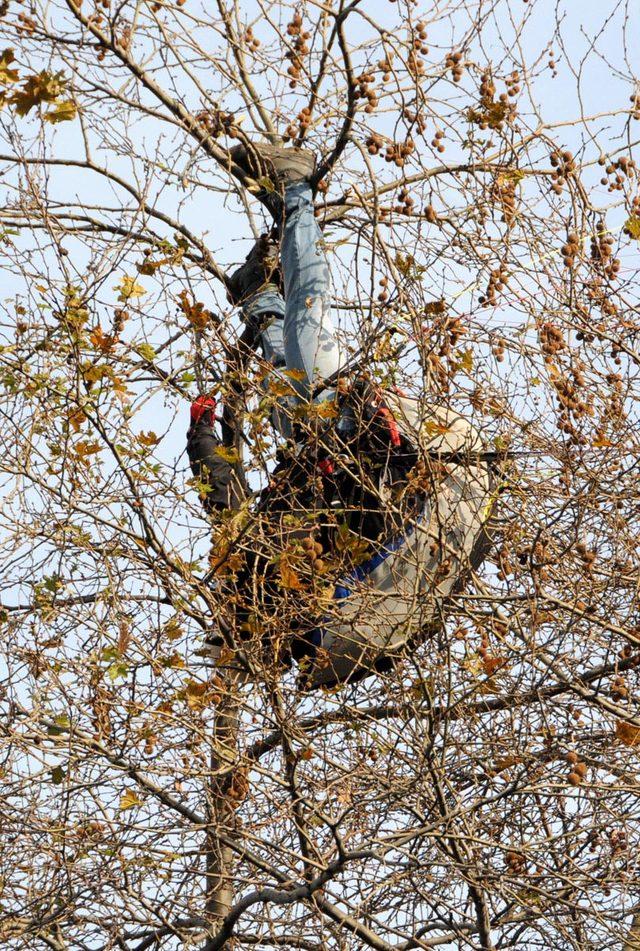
43, 88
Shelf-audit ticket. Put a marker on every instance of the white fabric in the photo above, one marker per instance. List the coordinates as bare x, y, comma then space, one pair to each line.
405, 592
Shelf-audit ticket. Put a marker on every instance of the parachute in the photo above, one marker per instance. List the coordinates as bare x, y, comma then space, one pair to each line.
390, 600
385, 603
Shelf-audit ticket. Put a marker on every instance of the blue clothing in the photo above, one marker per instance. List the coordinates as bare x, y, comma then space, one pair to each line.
300, 334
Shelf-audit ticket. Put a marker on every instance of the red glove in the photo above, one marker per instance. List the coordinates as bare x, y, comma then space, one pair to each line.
203, 409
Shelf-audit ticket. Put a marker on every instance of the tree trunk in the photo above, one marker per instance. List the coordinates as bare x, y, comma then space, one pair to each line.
226, 783
222, 801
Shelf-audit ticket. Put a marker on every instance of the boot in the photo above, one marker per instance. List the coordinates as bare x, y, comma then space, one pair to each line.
259, 271
280, 166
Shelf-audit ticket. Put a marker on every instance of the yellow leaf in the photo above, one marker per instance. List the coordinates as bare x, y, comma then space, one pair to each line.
100, 340
97, 372
85, 448
432, 428
473, 665
627, 733
7, 75
76, 419
327, 409
288, 577
61, 112
75, 314
146, 351
41, 87
119, 388
351, 542
510, 175
266, 184
295, 374
488, 508
148, 439
128, 289
632, 227
172, 630
466, 361
129, 800
227, 453
196, 313
601, 442
435, 307
280, 388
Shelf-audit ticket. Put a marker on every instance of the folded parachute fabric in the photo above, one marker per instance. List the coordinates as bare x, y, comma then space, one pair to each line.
400, 592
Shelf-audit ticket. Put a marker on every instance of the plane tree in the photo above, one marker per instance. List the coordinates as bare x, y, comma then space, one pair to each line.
479, 201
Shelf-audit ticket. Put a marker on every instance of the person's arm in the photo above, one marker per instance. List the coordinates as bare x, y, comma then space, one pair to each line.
221, 489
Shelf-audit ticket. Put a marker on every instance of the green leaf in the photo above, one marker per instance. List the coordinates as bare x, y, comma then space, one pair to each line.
61, 112
53, 583
61, 724
146, 351
58, 775
117, 670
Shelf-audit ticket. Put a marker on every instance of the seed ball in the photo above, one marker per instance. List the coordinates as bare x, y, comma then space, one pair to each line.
574, 779
572, 757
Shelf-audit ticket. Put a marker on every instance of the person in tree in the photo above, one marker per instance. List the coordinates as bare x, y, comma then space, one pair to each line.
366, 487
